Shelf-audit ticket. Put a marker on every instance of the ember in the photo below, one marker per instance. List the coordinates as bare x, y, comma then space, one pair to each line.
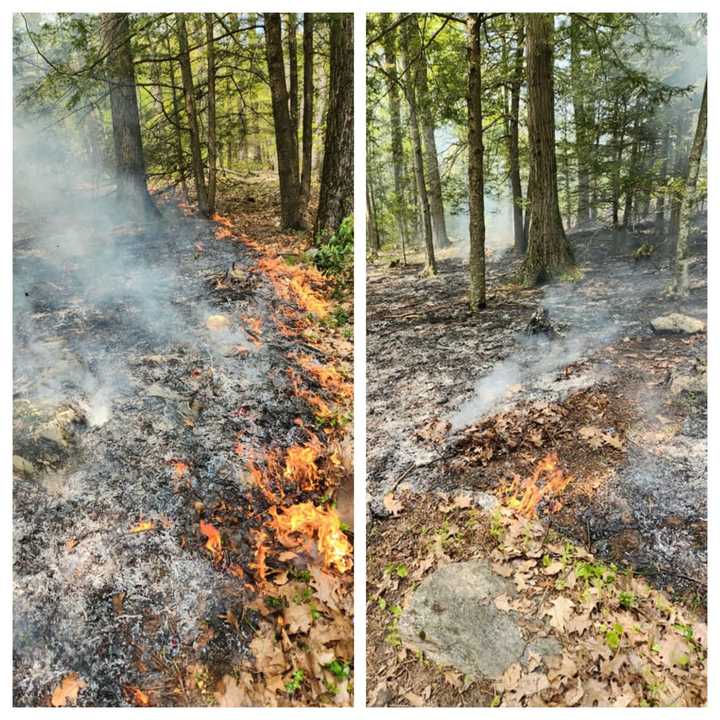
308, 520
214, 543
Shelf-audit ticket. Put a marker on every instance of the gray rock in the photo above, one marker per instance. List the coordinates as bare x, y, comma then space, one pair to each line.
677, 324
21, 466
453, 620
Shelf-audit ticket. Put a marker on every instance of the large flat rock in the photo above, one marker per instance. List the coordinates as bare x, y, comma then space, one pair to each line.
453, 620
677, 324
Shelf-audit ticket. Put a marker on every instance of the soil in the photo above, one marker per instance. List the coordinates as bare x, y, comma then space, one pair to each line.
169, 416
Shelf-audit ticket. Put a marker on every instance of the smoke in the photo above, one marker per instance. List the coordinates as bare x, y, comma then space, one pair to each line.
587, 318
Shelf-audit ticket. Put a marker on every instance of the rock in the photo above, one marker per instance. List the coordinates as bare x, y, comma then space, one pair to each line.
677, 324
21, 466
453, 620
683, 383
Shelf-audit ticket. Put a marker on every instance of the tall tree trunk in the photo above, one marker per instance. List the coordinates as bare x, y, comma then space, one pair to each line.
391, 79
291, 22
285, 137
373, 231
427, 122
410, 80
336, 185
581, 117
132, 189
662, 181
631, 178
308, 92
688, 200
189, 93
548, 252
679, 171
476, 181
211, 114
520, 238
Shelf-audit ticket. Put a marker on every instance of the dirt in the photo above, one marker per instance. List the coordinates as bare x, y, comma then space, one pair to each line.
172, 417
459, 403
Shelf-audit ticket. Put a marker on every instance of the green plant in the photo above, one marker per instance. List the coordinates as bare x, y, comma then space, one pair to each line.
334, 255
339, 669
293, 685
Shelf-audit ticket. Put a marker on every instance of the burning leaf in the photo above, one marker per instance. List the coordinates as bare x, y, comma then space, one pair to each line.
214, 543
142, 526
309, 520
300, 465
66, 693
138, 696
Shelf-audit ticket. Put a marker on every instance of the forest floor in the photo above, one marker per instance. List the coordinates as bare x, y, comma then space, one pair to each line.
182, 462
598, 432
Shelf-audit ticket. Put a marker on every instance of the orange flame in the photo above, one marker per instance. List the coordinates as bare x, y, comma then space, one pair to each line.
214, 543
142, 526
311, 521
301, 465
554, 482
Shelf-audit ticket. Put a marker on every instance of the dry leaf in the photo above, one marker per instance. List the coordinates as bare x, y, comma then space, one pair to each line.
66, 692
392, 505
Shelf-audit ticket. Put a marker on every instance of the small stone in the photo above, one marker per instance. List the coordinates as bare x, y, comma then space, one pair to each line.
22, 466
677, 324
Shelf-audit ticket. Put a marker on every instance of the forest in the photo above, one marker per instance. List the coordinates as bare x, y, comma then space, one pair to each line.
537, 398
182, 407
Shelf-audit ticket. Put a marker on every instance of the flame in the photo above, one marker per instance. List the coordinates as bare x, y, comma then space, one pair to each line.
139, 697
220, 220
301, 464
214, 543
311, 521
180, 469
142, 526
222, 233
554, 482
327, 376
295, 283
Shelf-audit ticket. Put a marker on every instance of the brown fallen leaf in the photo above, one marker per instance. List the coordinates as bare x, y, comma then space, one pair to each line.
66, 693
298, 618
393, 505
560, 612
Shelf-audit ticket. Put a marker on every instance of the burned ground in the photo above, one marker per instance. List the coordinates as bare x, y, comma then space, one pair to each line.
157, 400
476, 407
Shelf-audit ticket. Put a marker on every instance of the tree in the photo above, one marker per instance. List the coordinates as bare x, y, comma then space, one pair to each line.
688, 200
285, 135
549, 252
132, 191
581, 120
336, 185
392, 84
308, 92
434, 185
409, 86
520, 239
189, 95
476, 184
211, 114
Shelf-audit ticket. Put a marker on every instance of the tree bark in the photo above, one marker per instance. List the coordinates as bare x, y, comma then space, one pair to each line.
476, 181
211, 115
427, 123
308, 92
660, 203
688, 200
189, 94
520, 238
581, 117
132, 191
336, 186
396, 141
549, 252
410, 80
291, 22
285, 138
631, 178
